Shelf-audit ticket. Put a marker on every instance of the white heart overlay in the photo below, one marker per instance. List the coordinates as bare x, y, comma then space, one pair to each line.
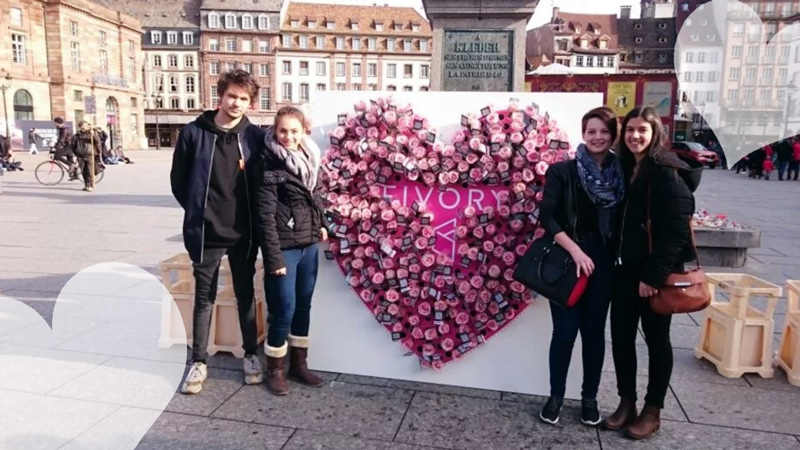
97, 379
753, 96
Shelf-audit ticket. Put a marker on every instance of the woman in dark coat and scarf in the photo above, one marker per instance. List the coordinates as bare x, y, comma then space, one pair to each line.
660, 185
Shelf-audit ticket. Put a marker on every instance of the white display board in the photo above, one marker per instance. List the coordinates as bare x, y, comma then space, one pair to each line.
346, 337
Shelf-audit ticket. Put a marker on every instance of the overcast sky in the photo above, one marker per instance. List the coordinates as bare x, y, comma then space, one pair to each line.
543, 12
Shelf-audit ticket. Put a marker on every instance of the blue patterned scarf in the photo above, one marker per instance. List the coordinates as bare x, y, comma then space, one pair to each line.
605, 186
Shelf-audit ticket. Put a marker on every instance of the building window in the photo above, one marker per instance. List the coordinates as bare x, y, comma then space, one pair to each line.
603, 44
213, 45
689, 57
263, 46
579, 60
408, 71
398, 26
699, 77
391, 71
263, 22
286, 41
188, 38
172, 38
263, 99
23, 105
378, 26
357, 69
73, 28
357, 87
263, 70
354, 26
131, 46
340, 87
712, 77
425, 71
610, 61
287, 92
321, 87
390, 45
247, 67
155, 37
287, 67
320, 42
372, 44
16, 17
372, 70
214, 97
339, 43
18, 54
230, 45
372, 87
407, 45
214, 68
407, 88
687, 76
156, 60
78, 115
356, 44
423, 46
330, 25
103, 40
734, 74
312, 24
662, 58
303, 67
321, 65
213, 20
172, 60
247, 22
736, 51
175, 103
247, 46
590, 61
340, 69
190, 103
103, 61
391, 88
188, 61
132, 68
230, 21
173, 84
190, 87
304, 92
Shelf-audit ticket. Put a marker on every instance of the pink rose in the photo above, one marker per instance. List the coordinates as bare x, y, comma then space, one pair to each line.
472, 254
393, 309
424, 309
354, 281
378, 278
357, 264
392, 295
428, 350
504, 211
521, 249
428, 178
463, 249
463, 287
516, 137
415, 268
541, 168
461, 232
462, 318
485, 296
532, 156
488, 246
506, 153
491, 229
416, 333
509, 258
469, 212
519, 162
516, 225
494, 271
527, 175
428, 231
447, 344
439, 283
492, 325
413, 320
471, 296
421, 243
476, 174
457, 137
444, 178
475, 143
478, 232
476, 282
366, 296
430, 334
428, 259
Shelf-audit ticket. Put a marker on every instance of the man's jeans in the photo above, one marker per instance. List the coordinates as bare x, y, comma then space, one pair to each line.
289, 296
206, 275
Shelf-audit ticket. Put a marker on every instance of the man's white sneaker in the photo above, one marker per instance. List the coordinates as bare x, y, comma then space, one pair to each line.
253, 373
193, 383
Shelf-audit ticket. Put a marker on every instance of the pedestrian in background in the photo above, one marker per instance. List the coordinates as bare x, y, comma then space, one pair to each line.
32, 141
784, 152
86, 148
794, 166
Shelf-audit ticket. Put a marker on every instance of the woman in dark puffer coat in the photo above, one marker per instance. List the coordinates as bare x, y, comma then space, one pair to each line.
290, 225
658, 178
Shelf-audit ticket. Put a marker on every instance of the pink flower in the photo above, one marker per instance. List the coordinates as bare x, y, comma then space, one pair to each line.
475, 143
393, 309
506, 153
516, 137
420, 243
476, 174
472, 254
457, 137
494, 271
378, 278
521, 249
491, 229
463, 249
415, 268
517, 208
416, 333
390, 117
509, 258
469, 212
428, 178
354, 281
439, 283
462, 318
360, 106
428, 231
387, 215
476, 282
488, 246
541, 168
519, 162
517, 126
493, 118
516, 225
358, 263
504, 211
424, 309
428, 259
365, 295
463, 287
430, 334
392, 295
428, 350
461, 232
453, 177
444, 178
478, 232
447, 344
485, 296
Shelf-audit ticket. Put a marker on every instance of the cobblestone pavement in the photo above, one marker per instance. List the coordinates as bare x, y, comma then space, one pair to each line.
48, 234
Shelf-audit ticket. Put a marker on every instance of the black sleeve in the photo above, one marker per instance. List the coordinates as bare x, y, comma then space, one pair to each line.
178, 176
553, 193
267, 225
671, 210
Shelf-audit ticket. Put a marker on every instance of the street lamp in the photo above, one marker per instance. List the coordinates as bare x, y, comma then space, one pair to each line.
4, 87
156, 99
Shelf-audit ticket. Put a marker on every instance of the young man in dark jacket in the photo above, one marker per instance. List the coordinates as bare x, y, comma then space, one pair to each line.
63, 149
213, 170
785, 152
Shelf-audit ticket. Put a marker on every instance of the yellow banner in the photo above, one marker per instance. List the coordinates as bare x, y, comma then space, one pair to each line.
621, 97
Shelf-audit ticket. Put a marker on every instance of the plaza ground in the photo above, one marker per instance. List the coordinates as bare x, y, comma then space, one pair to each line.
47, 234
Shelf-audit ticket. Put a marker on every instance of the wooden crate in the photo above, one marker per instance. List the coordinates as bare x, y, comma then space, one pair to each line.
789, 353
177, 315
735, 336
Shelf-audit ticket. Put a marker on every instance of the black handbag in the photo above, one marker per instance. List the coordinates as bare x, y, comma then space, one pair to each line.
549, 270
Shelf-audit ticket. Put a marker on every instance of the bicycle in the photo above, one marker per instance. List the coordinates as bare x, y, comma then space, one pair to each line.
51, 172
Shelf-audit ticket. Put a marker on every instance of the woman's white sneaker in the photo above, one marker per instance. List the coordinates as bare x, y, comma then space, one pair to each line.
193, 383
253, 372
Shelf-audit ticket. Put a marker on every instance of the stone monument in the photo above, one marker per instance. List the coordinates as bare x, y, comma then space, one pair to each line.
478, 45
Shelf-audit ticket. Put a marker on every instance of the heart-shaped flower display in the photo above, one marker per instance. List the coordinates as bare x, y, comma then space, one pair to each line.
438, 299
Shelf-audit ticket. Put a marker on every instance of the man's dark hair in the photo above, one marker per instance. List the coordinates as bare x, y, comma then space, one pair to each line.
239, 78
58, 121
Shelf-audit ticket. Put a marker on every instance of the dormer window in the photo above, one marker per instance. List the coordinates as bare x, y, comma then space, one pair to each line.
295, 23
695, 37
213, 20
415, 27
312, 24
398, 26
247, 22
155, 37
263, 22
584, 43
603, 43
330, 25
354, 26
378, 26
230, 21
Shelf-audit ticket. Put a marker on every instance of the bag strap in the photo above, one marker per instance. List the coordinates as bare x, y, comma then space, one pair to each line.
650, 228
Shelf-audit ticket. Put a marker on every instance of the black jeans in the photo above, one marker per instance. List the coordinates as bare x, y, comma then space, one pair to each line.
627, 308
65, 155
206, 276
782, 167
289, 296
86, 170
588, 317
794, 167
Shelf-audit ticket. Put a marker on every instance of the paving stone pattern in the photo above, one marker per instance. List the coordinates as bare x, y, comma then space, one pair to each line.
48, 234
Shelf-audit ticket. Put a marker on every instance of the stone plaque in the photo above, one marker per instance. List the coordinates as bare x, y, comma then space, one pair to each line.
478, 60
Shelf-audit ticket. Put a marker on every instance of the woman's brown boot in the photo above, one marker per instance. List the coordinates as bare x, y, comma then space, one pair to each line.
648, 422
298, 367
625, 414
276, 369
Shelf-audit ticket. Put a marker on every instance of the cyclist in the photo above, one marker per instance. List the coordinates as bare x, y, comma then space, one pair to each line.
63, 148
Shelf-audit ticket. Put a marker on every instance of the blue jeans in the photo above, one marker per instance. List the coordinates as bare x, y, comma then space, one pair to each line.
588, 317
289, 296
783, 166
